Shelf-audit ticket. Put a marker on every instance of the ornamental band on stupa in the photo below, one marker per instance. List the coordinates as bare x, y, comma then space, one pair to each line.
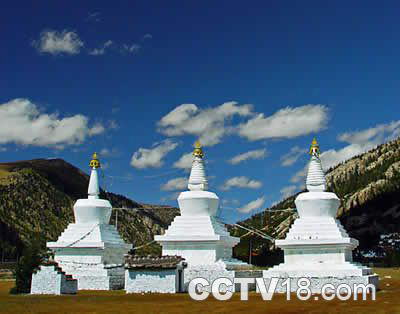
317, 246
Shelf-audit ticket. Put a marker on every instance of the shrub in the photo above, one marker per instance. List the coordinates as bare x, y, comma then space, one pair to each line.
27, 264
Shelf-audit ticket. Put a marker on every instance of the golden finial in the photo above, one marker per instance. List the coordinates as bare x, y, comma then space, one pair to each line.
198, 152
95, 162
314, 149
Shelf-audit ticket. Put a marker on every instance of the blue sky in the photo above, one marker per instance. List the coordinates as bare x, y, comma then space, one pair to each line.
140, 82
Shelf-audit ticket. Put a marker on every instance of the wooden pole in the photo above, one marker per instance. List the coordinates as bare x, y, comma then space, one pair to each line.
250, 249
266, 219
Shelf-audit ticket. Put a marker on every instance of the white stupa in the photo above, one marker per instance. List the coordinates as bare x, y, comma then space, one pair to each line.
196, 234
91, 249
317, 246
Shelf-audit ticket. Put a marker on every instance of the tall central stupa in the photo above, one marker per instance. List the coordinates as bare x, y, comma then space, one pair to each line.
317, 246
91, 249
197, 235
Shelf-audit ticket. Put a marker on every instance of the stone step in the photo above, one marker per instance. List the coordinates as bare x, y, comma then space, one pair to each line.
208, 229
194, 219
316, 223
316, 229
195, 231
194, 223
313, 235
319, 230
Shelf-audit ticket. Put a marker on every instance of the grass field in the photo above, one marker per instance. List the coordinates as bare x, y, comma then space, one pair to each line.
387, 301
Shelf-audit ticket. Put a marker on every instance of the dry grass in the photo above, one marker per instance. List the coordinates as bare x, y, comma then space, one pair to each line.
387, 301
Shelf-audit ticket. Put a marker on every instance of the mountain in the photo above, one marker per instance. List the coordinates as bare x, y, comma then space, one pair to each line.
369, 188
36, 201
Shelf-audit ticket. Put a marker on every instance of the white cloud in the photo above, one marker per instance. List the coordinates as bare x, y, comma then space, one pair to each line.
253, 205
300, 175
98, 128
377, 135
333, 157
230, 201
291, 157
185, 162
106, 152
133, 48
207, 124
147, 36
21, 122
212, 124
152, 158
55, 42
175, 184
253, 154
286, 123
241, 182
112, 124
171, 197
177, 116
102, 50
288, 190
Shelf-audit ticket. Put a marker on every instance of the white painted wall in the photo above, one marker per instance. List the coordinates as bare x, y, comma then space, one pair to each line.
155, 281
48, 281
209, 272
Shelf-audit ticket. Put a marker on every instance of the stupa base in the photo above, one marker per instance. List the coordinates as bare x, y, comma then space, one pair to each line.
317, 283
228, 268
51, 279
210, 272
344, 269
93, 254
104, 277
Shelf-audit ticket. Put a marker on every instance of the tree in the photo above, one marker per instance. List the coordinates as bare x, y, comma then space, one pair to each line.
27, 264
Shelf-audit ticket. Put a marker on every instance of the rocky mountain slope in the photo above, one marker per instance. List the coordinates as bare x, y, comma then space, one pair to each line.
36, 200
369, 188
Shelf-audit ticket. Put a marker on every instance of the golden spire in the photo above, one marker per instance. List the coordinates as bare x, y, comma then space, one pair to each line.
95, 162
198, 152
314, 148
